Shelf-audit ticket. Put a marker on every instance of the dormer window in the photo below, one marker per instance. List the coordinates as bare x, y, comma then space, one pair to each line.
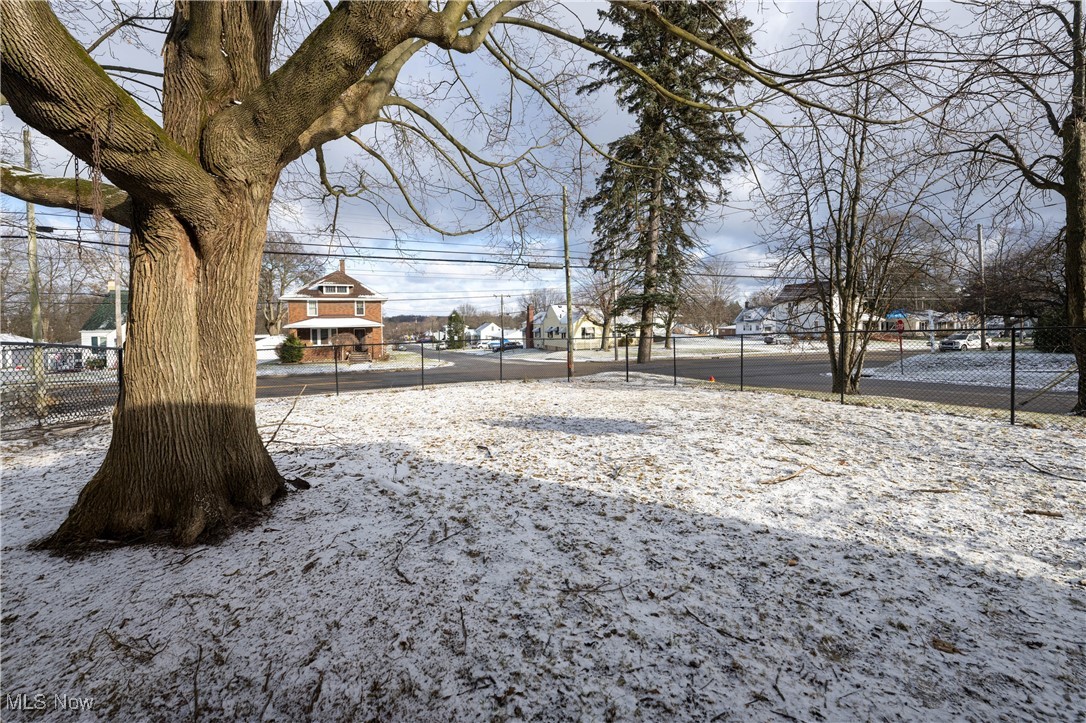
334, 289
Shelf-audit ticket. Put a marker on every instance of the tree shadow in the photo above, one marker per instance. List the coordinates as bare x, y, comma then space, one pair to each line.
581, 426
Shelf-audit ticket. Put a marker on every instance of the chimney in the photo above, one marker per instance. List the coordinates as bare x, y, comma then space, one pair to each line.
342, 266
529, 336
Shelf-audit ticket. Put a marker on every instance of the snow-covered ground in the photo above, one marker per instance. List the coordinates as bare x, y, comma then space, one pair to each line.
587, 551
1033, 370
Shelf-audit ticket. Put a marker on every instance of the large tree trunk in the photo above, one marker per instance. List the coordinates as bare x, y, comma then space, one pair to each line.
652, 271
186, 453
1074, 177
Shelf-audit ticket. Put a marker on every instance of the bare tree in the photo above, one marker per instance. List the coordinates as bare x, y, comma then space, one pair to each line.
709, 298
285, 266
542, 297
598, 294
850, 209
1018, 112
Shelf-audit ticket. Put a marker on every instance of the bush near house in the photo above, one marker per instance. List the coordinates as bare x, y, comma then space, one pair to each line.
291, 350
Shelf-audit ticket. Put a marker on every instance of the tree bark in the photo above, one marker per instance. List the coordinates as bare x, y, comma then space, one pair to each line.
652, 271
186, 453
1074, 182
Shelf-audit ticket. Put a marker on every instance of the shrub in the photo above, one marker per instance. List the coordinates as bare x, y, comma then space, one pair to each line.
1052, 334
291, 350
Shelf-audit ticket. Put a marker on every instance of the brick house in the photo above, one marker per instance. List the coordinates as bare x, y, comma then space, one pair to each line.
337, 310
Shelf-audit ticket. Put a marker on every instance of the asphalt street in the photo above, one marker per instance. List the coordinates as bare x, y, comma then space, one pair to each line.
806, 371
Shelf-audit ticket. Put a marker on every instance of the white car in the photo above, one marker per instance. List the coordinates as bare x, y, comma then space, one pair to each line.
963, 341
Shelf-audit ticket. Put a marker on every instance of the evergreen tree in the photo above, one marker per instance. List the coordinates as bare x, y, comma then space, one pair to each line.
455, 334
666, 173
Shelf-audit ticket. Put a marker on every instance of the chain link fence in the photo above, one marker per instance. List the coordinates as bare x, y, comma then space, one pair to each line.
1021, 376
1025, 377
44, 385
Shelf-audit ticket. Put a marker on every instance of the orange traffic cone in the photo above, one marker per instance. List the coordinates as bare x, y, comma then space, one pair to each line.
712, 379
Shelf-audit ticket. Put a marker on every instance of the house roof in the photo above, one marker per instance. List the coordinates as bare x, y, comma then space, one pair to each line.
15, 339
797, 292
334, 322
102, 318
754, 313
339, 278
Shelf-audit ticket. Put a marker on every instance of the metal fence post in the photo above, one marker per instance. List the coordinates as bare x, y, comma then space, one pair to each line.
627, 340
674, 362
742, 358
422, 356
1014, 360
335, 362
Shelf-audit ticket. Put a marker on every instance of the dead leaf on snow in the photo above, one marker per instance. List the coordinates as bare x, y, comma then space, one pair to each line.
944, 647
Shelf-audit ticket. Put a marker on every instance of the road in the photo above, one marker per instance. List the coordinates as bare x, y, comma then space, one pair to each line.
806, 371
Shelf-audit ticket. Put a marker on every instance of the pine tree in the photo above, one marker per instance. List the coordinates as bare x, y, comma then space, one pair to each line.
666, 173
456, 331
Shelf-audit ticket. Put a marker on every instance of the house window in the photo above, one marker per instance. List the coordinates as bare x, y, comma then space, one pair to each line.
588, 333
334, 289
360, 308
311, 308
320, 337
94, 343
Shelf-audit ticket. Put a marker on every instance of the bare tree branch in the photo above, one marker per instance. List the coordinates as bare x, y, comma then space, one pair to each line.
74, 194
65, 95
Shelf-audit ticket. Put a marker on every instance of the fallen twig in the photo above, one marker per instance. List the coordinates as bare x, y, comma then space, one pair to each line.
1042, 513
464, 629
195, 687
936, 491
1050, 473
451, 534
785, 478
797, 473
403, 546
719, 631
287, 415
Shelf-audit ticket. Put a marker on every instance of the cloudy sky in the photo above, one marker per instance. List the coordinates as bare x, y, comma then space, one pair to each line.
422, 271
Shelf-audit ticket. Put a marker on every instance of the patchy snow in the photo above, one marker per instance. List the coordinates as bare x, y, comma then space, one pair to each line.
1033, 370
397, 361
586, 551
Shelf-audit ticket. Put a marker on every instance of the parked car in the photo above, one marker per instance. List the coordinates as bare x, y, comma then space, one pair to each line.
505, 345
964, 341
64, 361
493, 345
441, 345
778, 339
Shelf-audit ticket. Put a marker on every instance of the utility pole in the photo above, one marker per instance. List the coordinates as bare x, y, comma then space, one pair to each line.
501, 341
569, 290
983, 288
37, 363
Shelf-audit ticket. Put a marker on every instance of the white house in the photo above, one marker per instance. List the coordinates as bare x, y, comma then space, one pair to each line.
493, 332
754, 320
100, 330
550, 332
